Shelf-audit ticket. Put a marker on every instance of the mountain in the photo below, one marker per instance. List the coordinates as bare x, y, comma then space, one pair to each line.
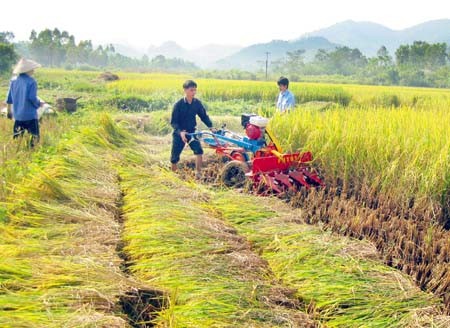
207, 55
431, 31
369, 37
254, 56
128, 50
366, 36
203, 56
168, 49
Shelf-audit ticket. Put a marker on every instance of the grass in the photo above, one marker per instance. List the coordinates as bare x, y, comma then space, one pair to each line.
189, 254
338, 280
59, 265
211, 277
61, 235
401, 153
266, 92
225, 259
15, 157
341, 279
223, 90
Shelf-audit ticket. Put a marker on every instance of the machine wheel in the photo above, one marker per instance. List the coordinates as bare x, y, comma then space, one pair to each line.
238, 156
225, 159
233, 174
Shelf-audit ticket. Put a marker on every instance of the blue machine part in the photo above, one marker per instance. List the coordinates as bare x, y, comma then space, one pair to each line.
213, 143
219, 139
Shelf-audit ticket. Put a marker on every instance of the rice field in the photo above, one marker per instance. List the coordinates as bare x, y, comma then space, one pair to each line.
96, 232
225, 90
403, 153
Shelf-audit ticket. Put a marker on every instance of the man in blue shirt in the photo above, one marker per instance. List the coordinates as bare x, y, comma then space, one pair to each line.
23, 102
184, 122
286, 100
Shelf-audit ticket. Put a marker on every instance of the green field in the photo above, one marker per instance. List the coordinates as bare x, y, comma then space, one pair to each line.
95, 231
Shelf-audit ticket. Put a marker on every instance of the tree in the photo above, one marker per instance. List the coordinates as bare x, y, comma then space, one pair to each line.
98, 57
40, 46
436, 55
51, 47
295, 59
321, 55
402, 55
6, 37
58, 48
383, 57
342, 60
84, 50
422, 55
145, 61
8, 54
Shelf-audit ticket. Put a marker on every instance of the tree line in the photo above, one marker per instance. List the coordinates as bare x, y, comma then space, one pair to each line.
417, 64
55, 48
8, 54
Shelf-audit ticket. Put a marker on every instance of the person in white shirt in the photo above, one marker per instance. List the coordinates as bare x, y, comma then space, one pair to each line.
286, 100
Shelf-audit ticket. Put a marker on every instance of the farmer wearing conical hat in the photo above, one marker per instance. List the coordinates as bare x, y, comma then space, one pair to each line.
23, 102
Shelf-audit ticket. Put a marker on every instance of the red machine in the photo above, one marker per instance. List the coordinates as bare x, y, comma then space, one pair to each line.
253, 158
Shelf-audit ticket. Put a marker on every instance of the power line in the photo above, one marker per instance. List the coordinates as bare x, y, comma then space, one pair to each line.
267, 62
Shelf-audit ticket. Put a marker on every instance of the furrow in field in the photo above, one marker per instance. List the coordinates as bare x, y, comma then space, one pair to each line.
60, 237
59, 265
343, 280
210, 275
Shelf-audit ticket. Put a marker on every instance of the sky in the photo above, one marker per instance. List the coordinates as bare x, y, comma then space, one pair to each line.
193, 23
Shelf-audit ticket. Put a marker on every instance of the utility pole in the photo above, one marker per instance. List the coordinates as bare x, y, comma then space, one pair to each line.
267, 62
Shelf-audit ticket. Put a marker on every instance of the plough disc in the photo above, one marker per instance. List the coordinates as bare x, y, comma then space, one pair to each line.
289, 182
272, 175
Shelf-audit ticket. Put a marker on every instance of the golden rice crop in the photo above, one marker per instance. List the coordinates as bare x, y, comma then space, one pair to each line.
231, 90
210, 89
383, 152
400, 152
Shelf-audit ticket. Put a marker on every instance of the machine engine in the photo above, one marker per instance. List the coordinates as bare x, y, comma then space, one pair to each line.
254, 126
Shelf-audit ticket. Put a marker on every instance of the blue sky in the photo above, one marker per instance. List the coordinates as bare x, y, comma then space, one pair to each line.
197, 22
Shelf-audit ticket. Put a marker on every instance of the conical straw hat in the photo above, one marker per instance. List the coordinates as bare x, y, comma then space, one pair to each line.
25, 65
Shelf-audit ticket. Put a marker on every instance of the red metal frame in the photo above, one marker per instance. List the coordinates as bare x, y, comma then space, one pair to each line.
274, 163
274, 174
